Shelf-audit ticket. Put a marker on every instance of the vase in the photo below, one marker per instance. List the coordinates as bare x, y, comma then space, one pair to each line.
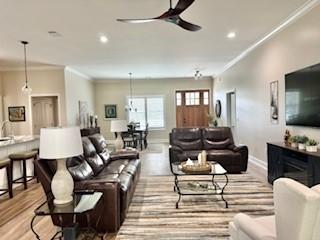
312, 148
302, 146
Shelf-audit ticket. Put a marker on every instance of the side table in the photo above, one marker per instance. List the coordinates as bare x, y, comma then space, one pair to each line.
83, 203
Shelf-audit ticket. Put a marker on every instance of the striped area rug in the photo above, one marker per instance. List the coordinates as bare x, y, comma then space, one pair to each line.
152, 214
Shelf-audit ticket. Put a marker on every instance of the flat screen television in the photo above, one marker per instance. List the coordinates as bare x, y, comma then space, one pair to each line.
303, 97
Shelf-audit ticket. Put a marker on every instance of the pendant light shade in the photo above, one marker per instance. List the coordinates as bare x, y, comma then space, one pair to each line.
130, 107
26, 89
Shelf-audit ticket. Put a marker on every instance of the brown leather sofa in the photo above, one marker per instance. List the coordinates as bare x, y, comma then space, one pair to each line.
115, 175
218, 142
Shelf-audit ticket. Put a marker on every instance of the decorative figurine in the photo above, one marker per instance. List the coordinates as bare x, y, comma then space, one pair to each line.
91, 121
96, 120
287, 136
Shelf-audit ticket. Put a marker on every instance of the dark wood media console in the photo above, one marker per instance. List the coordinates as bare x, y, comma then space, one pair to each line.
285, 161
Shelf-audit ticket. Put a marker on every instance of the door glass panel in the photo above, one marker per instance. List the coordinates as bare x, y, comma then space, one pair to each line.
178, 99
206, 98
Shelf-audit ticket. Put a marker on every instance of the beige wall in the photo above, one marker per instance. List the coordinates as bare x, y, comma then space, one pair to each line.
78, 88
42, 82
296, 47
115, 92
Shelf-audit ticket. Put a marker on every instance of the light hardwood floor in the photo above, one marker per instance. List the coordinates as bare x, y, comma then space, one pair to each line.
16, 213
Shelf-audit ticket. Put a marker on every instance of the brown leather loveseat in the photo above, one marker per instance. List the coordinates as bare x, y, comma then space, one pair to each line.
218, 142
114, 175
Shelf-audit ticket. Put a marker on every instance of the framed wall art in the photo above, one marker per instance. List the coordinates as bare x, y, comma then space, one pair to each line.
110, 111
17, 114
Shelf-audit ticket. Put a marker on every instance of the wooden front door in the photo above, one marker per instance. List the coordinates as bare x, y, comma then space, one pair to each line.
192, 108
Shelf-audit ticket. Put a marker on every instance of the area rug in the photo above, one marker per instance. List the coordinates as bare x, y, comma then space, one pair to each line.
152, 214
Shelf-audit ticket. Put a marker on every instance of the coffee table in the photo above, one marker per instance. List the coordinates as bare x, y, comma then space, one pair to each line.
189, 187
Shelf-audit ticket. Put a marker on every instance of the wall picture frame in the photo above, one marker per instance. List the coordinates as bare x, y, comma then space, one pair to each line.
274, 102
17, 114
110, 111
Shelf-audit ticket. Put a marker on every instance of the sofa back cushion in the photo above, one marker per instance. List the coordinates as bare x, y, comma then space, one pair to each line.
88, 147
79, 168
217, 138
99, 142
91, 156
186, 138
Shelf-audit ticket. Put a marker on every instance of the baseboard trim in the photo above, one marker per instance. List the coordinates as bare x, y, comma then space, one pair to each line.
258, 163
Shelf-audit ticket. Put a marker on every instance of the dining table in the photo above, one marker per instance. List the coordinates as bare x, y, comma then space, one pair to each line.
140, 130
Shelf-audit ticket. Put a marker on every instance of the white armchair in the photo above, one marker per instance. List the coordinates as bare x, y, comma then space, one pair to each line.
297, 215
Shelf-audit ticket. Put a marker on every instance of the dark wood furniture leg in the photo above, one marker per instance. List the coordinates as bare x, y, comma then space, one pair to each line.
9, 179
24, 166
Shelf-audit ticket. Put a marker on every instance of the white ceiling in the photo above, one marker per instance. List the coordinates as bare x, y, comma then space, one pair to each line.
154, 50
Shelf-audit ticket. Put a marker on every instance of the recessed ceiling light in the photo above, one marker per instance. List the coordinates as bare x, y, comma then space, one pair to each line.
54, 34
103, 39
231, 35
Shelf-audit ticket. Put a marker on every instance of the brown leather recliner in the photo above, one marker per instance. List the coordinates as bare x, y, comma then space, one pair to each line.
116, 178
218, 142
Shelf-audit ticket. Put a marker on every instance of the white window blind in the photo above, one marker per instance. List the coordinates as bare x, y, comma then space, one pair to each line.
149, 110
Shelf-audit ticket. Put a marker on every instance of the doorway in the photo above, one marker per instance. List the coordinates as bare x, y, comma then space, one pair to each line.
192, 108
44, 113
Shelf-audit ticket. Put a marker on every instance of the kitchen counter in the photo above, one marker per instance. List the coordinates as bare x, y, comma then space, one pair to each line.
17, 140
17, 144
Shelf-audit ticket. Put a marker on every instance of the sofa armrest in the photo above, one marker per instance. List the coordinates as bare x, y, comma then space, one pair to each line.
252, 228
110, 209
175, 149
124, 155
244, 152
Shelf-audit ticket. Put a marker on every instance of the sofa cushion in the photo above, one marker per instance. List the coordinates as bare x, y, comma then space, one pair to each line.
193, 155
88, 148
116, 166
187, 138
224, 157
105, 155
79, 168
99, 142
217, 138
96, 163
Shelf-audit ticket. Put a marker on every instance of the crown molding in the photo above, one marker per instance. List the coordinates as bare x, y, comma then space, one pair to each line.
34, 68
76, 72
300, 12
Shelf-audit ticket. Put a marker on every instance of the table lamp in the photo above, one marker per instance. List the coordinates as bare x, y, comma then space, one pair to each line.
59, 144
119, 126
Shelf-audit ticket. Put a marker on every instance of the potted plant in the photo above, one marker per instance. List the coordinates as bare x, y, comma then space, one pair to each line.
312, 145
212, 120
302, 142
294, 141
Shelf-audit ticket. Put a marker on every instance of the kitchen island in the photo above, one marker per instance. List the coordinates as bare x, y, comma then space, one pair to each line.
15, 145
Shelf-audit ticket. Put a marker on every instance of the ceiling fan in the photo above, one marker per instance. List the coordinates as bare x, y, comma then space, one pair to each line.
172, 16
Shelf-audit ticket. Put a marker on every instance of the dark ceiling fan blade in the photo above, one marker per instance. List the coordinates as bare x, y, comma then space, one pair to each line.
182, 5
186, 25
146, 20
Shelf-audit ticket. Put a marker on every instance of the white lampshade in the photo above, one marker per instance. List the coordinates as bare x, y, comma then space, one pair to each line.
119, 126
60, 142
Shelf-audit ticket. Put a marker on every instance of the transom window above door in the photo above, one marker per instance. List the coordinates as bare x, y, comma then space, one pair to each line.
192, 97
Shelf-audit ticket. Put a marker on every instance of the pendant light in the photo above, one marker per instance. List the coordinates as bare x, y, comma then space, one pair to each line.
197, 75
26, 88
131, 108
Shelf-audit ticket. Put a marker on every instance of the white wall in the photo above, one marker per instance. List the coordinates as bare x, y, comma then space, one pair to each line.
78, 88
294, 48
116, 91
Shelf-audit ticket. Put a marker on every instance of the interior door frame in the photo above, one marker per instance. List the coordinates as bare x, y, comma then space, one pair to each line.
57, 95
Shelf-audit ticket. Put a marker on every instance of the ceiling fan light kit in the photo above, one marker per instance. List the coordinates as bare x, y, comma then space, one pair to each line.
172, 16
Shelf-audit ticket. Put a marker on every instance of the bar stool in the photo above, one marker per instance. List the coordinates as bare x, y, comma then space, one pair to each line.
23, 156
6, 163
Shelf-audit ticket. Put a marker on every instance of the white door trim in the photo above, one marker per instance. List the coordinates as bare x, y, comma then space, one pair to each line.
43, 95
